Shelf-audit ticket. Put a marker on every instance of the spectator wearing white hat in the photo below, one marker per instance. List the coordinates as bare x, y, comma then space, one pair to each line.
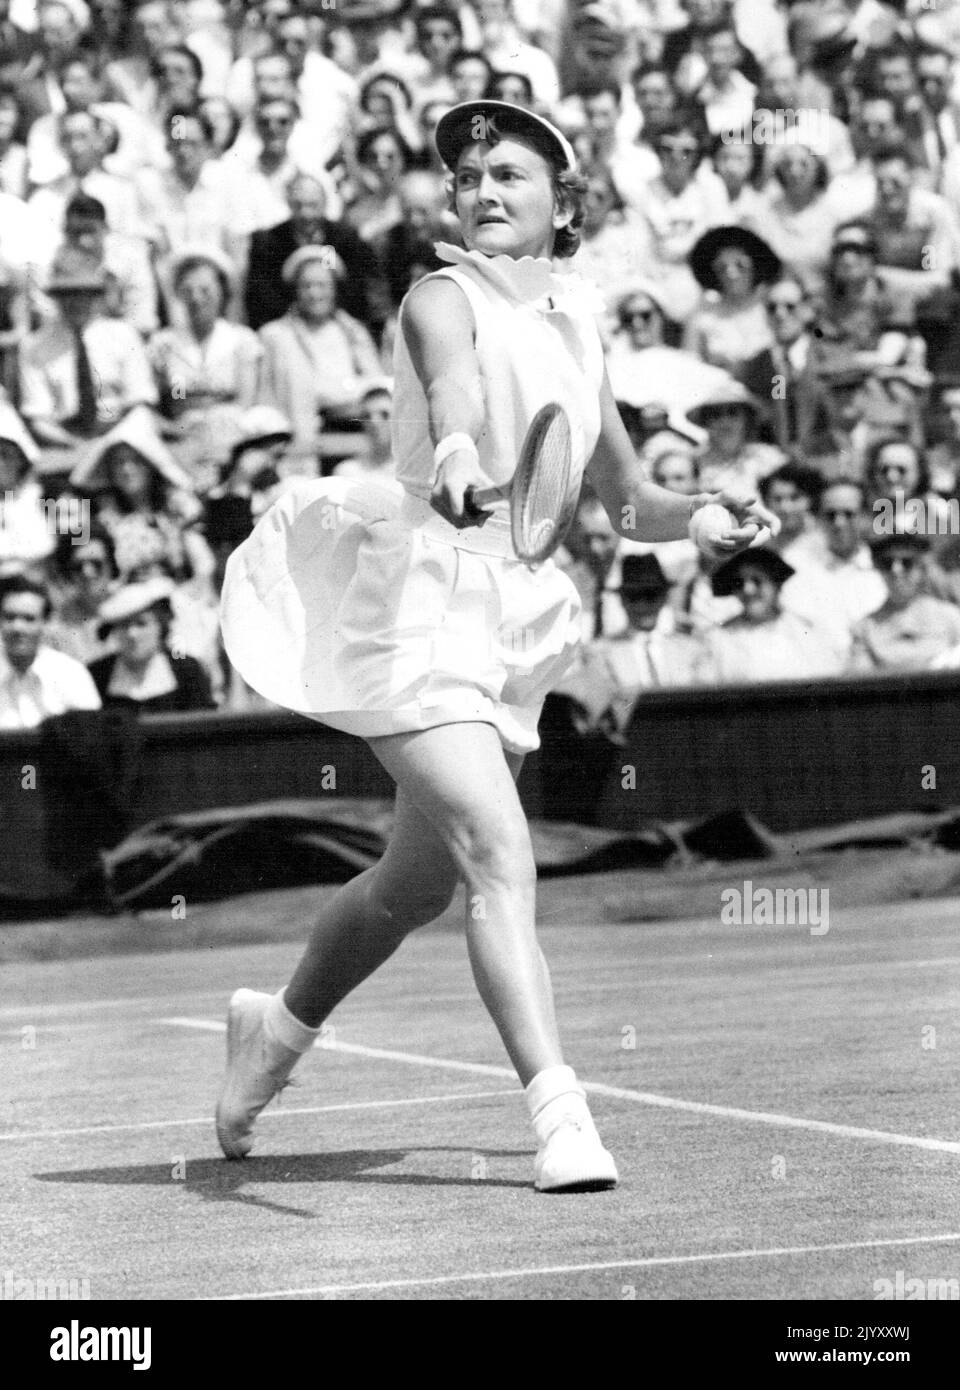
36, 682
144, 671
733, 457
145, 501
317, 359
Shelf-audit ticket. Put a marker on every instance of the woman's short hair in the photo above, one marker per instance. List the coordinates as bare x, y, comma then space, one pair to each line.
493, 86
569, 188
393, 80
366, 141
185, 52
188, 263
757, 153
802, 476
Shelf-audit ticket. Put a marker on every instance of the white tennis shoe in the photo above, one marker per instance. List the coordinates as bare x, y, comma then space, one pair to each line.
573, 1158
257, 1069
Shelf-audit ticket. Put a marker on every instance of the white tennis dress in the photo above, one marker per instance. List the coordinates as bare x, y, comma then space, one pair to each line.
357, 604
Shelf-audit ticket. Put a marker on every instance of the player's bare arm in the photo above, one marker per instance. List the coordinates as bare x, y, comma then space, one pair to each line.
437, 325
641, 510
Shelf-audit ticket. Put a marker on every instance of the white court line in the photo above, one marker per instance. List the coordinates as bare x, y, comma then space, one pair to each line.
598, 1088
539, 1272
278, 1114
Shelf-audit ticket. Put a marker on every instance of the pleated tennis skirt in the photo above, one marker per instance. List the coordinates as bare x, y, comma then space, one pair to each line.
356, 604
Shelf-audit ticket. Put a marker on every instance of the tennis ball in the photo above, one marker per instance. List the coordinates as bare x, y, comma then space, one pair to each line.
710, 524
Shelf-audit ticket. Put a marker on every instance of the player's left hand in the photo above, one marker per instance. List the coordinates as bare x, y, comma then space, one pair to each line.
757, 524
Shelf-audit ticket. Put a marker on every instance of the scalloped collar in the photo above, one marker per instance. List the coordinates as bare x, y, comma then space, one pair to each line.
528, 280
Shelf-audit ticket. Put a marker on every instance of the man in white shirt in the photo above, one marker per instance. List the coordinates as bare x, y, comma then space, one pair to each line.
83, 371
35, 681
727, 97
82, 140
845, 587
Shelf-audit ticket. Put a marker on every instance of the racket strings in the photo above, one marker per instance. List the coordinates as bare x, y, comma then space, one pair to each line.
541, 501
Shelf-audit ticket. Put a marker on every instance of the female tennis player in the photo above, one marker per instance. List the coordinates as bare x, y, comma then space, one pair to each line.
404, 616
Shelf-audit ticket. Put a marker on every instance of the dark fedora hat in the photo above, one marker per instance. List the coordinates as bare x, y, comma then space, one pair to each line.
767, 264
466, 123
642, 574
766, 559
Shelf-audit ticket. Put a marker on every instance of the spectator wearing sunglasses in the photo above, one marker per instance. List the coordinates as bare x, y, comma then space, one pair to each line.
911, 629
644, 370
257, 173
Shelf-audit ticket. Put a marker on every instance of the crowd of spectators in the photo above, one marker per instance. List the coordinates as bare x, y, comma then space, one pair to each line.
210, 211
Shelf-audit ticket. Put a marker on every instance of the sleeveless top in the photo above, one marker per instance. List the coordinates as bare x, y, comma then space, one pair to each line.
537, 341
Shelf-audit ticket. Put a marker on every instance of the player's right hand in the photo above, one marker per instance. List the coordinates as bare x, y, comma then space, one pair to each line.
458, 472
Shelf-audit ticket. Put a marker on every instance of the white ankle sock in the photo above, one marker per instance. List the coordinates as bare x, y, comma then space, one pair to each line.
554, 1095
282, 1027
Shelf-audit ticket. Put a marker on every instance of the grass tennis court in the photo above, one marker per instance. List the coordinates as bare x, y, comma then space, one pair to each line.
781, 1107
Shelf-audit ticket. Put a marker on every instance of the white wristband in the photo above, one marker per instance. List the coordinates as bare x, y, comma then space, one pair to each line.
450, 444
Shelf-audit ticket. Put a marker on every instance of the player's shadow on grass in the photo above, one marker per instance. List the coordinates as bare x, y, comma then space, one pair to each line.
217, 1180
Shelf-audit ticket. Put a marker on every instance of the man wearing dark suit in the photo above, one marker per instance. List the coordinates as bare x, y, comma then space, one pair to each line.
784, 376
363, 292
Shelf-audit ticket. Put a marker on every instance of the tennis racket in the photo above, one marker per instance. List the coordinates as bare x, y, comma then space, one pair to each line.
541, 500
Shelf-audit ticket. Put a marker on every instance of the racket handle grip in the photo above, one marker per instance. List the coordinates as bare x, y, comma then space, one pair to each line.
477, 497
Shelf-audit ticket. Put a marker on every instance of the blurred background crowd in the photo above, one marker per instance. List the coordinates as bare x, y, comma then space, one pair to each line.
210, 211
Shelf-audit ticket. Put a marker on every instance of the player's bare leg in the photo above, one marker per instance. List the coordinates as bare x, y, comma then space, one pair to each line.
359, 928
459, 779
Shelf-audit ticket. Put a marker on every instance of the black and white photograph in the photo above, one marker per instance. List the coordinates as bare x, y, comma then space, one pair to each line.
480, 668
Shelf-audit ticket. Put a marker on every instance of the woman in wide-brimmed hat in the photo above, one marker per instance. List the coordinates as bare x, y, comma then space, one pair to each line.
734, 266
732, 457
763, 643
207, 367
143, 671
145, 500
